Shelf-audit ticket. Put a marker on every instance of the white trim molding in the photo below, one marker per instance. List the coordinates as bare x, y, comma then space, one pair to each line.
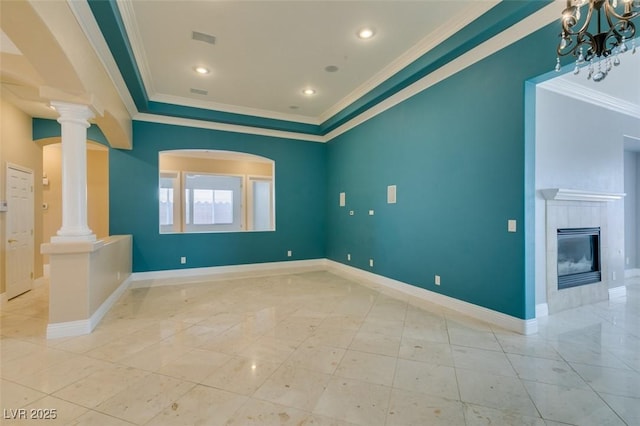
583, 93
615, 292
86, 326
632, 273
183, 276
542, 310
563, 194
492, 317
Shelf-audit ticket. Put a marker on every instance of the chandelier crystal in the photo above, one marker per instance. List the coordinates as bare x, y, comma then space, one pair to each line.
596, 32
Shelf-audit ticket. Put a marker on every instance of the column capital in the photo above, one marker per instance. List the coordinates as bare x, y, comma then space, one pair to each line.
75, 113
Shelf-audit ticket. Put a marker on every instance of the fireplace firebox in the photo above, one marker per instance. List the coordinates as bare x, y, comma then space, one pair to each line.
578, 257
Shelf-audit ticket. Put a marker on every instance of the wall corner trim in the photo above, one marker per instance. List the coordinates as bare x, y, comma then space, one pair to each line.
615, 292
492, 317
86, 326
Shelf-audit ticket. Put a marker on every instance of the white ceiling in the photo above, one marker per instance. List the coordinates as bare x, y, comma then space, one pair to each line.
267, 52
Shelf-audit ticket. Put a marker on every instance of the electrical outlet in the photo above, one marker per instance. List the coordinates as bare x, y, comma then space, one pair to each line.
349, 257
371, 212
351, 212
289, 253
371, 262
437, 280
183, 260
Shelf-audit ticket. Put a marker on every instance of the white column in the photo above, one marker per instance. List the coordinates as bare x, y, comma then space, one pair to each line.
74, 122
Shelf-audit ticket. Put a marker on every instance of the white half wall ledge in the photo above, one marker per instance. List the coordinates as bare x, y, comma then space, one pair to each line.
563, 194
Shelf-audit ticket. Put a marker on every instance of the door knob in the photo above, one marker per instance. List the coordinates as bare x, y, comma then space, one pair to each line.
12, 241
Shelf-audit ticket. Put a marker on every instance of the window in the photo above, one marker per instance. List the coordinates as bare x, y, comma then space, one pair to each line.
213, 202
215, 191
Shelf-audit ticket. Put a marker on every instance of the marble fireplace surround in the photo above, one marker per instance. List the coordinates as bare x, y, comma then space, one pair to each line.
569, 208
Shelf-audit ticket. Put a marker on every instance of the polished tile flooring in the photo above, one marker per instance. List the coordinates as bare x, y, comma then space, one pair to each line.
317, 349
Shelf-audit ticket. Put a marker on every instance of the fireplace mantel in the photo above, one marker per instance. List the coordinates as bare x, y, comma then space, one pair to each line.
563, 194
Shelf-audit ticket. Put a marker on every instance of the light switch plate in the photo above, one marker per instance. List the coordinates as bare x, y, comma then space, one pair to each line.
343, 199
511, 225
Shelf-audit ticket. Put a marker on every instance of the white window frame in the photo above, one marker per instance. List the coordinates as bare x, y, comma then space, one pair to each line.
249, 203
233, 227
177, 201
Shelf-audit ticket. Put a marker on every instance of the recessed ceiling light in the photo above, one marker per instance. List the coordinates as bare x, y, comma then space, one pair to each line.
366, 33
309, 91
202, 70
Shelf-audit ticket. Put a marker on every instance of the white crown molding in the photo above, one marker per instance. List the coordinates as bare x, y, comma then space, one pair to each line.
212, 125
234, 109
511, 35
446, 30
135, 41
562, 194
86, 20
586, 94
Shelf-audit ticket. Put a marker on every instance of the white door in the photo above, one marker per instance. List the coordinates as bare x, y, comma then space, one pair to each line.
20, 240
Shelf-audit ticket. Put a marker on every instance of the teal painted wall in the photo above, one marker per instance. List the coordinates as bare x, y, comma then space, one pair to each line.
456, 152
300, 188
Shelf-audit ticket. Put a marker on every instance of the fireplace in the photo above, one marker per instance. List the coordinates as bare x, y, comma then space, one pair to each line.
578, 257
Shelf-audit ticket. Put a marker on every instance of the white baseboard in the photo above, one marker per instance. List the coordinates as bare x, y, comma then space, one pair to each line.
542, 310
631, 273
86, 326
184, 276
69, 329
478, 312
615, 292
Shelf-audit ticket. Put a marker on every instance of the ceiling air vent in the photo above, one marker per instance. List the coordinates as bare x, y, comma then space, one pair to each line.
203, 37
199, 91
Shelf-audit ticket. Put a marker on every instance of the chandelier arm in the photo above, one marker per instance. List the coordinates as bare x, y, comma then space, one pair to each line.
611, 11
585, 26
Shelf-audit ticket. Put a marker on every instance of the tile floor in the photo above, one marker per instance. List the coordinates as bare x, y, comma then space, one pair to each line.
318, 349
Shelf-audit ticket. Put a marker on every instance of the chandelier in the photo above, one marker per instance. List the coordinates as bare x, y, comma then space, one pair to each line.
600, 49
